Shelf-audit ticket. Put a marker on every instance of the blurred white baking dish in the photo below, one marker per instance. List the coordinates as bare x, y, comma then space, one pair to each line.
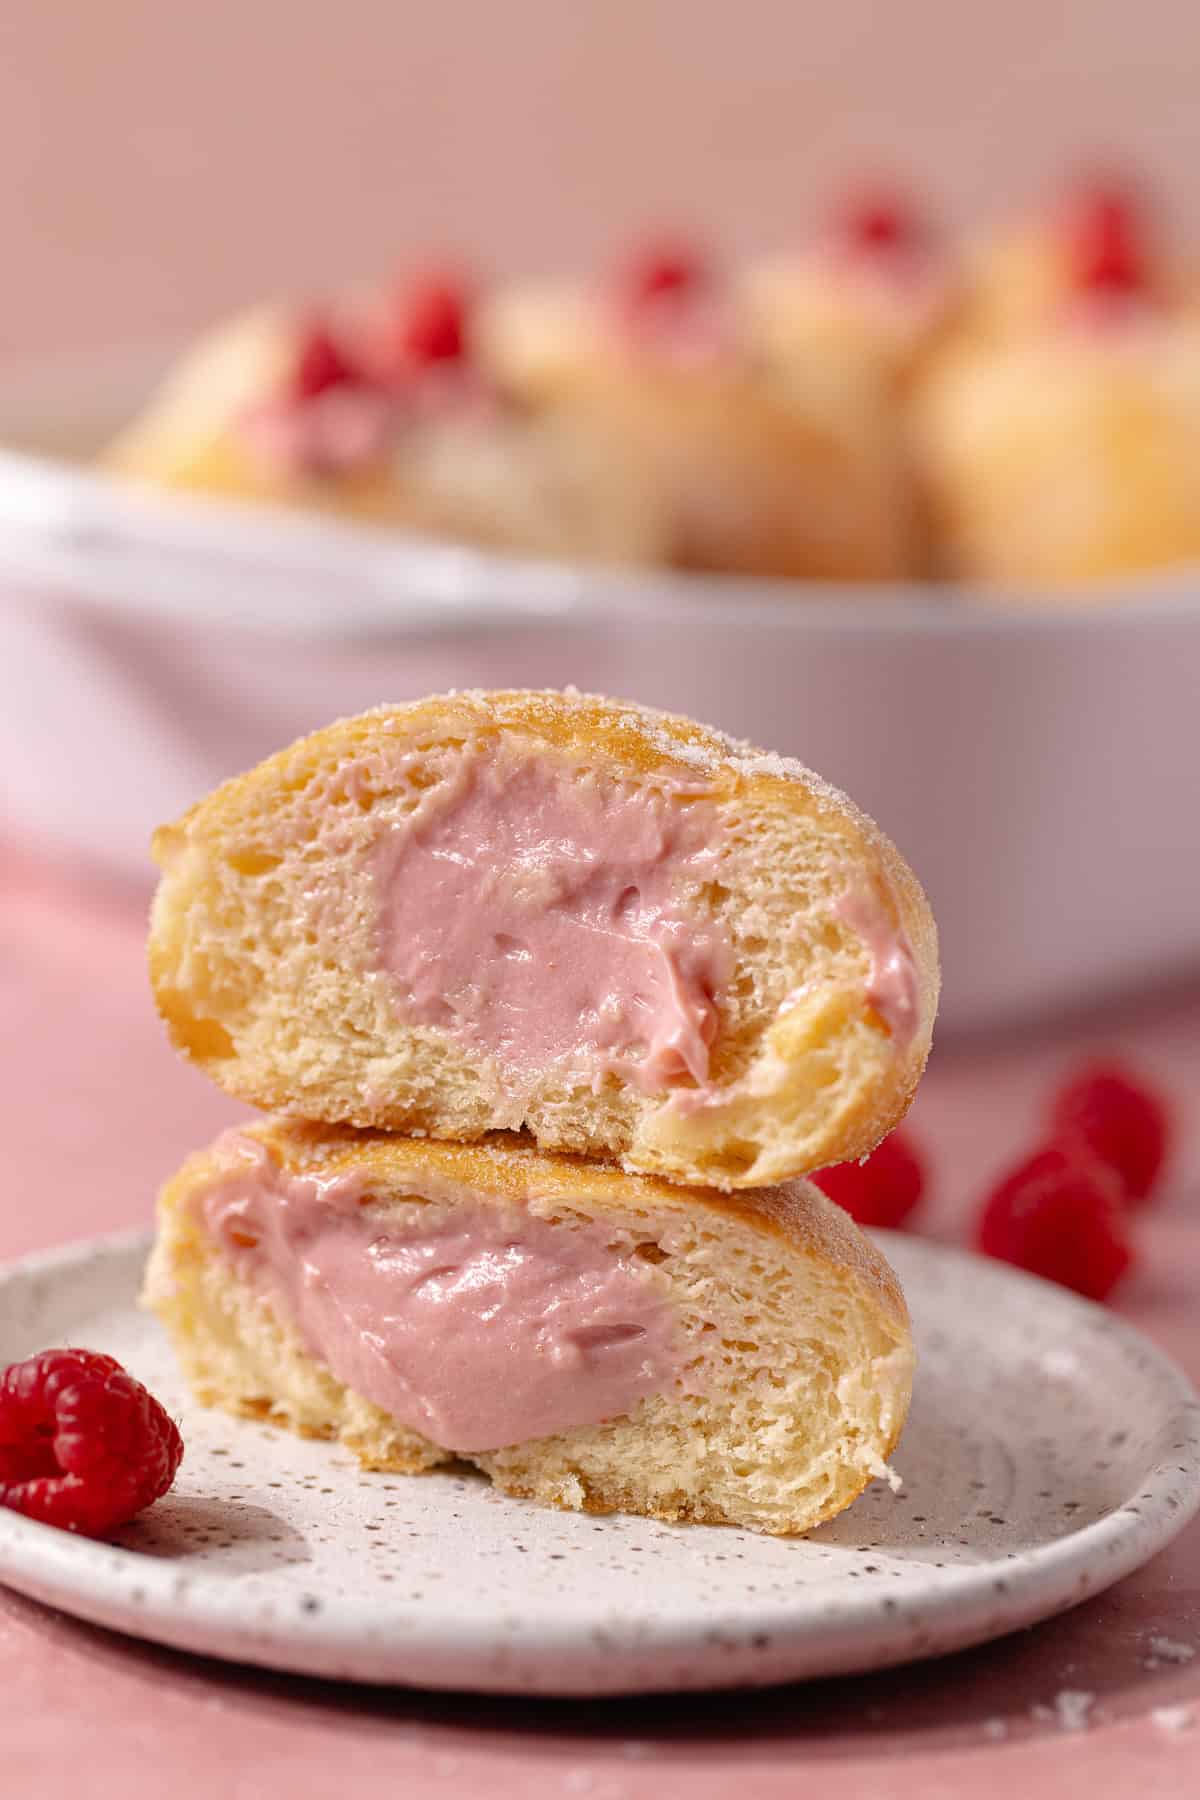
1037, 764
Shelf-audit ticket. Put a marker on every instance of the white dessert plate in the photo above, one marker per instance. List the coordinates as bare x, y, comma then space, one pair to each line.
1051, 1449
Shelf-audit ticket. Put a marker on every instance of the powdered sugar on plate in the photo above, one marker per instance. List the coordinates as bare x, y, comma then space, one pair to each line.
1168, 1650
1071, 1710
1174, 1719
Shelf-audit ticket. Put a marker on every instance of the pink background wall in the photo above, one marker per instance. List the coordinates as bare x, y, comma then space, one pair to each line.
161, 160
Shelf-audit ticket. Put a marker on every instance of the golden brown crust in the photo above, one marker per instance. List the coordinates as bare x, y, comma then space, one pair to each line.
638, 738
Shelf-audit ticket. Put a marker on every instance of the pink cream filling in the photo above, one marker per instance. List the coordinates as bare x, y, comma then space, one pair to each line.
478, 1324
892, 986
535, 912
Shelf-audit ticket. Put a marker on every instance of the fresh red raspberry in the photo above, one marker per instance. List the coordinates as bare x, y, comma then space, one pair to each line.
1122, 1121
82, 1444
884, 1189
1059, 1214
321, 363
427, 323
658, 272
1105, 252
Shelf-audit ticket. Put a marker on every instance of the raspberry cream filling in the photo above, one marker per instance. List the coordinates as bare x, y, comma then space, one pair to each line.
542, 914
418, 1310
892, 986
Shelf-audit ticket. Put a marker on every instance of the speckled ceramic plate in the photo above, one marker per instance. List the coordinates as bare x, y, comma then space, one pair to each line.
1050, 1450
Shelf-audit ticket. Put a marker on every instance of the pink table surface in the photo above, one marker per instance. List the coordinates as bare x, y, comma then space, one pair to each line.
94, 1110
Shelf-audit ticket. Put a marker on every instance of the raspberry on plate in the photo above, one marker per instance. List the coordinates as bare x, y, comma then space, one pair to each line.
1059, 1214
884, 1189
82, 1444
1120, 1119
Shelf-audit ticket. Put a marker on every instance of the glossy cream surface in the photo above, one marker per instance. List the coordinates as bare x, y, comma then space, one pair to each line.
547, 915
471, 1321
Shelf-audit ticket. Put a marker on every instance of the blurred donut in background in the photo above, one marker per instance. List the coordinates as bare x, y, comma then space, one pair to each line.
878, 404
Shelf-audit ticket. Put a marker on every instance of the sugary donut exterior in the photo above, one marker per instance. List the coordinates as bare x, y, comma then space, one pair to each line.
266, 962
